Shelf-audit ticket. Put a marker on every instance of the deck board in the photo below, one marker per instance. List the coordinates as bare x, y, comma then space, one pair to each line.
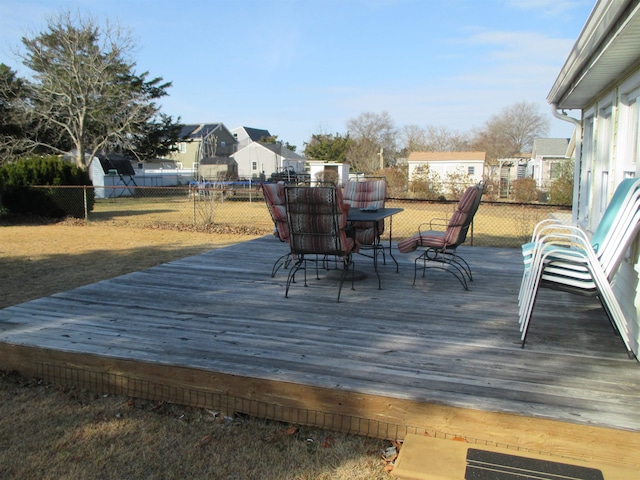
431, 343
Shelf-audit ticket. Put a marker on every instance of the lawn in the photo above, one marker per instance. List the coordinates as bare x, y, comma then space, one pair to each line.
496, 224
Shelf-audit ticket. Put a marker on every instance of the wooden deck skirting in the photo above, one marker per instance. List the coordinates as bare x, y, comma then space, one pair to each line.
215, 330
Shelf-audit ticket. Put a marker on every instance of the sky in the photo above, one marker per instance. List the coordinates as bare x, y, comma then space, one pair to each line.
304, 67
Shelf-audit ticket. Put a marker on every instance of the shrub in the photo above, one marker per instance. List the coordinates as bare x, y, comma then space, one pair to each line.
561, 190
18, 195
426, 184
457, 182
396, 179
525, 190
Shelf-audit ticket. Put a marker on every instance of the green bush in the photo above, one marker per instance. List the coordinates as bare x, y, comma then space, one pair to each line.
426, 184
18, 194
561, 190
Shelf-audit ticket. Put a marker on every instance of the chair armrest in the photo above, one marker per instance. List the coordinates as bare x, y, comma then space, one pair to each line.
439, 222
436, 222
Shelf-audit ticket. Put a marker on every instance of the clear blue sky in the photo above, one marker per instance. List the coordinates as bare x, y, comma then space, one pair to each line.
302, 67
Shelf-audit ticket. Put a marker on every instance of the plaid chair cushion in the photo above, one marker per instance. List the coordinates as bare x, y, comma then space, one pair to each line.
450, 237
317, 222
362, 195
365, 194
274, 198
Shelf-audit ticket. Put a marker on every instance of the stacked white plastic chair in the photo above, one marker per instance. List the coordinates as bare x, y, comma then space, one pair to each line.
563, 257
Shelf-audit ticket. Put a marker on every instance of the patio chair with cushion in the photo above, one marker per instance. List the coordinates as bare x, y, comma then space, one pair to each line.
565, 258
317, 223
441, 246
366, 194
274, 198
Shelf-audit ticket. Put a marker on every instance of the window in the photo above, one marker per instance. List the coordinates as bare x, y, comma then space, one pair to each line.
555, 168
182, 147
628, 148
254, 166
471, 170
602, 164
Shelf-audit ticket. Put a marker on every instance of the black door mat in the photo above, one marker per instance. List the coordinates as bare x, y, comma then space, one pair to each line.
486, 465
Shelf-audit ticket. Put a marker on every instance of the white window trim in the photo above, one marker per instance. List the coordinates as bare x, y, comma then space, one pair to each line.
586, 165
628, 152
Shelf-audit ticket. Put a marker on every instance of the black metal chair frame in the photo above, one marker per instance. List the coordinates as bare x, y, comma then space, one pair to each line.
297, 230
447, 258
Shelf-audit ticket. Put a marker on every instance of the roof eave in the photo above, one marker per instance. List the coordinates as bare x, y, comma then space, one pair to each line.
600, 55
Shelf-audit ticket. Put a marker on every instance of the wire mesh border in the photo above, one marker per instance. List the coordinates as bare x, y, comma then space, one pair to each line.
117, 384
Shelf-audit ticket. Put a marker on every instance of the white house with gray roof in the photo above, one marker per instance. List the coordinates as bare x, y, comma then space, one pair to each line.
245, 135
547, 157
257, 158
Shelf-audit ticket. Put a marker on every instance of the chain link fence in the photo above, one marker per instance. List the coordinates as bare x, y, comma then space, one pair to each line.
242, 209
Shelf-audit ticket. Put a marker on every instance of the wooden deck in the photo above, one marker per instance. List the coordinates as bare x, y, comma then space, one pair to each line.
381, 362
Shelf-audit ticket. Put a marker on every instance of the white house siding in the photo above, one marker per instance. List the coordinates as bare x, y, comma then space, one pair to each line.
609, 152
445, 168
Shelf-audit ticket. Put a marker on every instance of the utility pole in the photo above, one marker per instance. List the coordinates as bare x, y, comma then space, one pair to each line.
381, 158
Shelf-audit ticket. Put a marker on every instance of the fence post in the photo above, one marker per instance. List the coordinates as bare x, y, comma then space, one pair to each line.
195, 221
86, 206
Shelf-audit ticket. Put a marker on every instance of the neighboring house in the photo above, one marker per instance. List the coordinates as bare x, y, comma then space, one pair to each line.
547, 157
449, 163
259, 158
201, 141
247, 135
601, 78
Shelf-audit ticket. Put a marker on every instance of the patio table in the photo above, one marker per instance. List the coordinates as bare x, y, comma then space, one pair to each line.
374, 216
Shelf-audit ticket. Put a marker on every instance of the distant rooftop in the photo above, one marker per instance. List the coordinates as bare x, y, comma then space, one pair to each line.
447, 156
550, 147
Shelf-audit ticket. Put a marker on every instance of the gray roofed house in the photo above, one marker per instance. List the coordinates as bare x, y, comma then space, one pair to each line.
258, 157
547, 156
550, 147
246, 135
203, 140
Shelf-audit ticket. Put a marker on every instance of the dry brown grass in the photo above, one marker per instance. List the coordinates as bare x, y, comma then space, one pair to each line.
49, 432
495, 224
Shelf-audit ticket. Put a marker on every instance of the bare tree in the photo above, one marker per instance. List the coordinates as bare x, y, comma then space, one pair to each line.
414, 139
85, 88
444, 139
511, 131
364, 155
433, 138
372, 135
